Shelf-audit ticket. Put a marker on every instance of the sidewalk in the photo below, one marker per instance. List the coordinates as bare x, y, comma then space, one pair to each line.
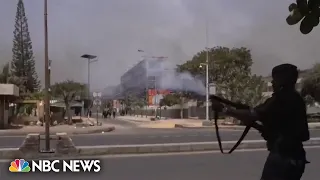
69, 129
144, 122
135, 118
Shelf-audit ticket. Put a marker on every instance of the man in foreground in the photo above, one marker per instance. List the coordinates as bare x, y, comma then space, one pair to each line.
285, 126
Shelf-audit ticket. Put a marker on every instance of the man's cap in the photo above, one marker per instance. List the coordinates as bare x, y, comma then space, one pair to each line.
285, 69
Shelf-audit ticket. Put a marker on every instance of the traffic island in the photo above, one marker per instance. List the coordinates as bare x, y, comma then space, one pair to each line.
65, 145
31, 147
66, 149
71, 130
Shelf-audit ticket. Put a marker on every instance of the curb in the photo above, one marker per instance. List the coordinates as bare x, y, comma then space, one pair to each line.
79, 132
95, 131
12, 153
222, 127
207, 127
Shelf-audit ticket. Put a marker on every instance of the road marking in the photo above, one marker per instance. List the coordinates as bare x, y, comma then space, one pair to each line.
192, 135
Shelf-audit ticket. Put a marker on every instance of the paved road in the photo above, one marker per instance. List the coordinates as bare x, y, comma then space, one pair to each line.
146, 136
207, 166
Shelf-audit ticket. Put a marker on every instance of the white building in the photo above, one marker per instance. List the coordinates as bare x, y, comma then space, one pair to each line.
142, 76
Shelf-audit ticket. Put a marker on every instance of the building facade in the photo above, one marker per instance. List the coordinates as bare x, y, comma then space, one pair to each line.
142, 78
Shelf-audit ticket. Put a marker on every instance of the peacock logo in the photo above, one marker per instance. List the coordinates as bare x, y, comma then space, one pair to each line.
19, 165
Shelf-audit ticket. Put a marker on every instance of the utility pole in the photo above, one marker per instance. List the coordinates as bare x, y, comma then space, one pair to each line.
49, 69
47, 79
207, 122
207, 73
91, 59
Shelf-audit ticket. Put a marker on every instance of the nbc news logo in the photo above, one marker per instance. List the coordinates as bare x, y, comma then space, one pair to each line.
21, 165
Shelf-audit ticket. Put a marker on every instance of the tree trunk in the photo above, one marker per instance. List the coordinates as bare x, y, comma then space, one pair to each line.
68, 113
181, 108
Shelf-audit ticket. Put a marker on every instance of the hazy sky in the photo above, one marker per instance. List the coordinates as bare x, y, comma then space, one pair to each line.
115, 29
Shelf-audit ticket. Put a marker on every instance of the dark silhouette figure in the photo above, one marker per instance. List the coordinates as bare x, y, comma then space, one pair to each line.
114, 113
104, 113
90, 113
284, 120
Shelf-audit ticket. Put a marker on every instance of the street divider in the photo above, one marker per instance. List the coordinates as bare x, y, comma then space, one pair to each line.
12, 153
176, 147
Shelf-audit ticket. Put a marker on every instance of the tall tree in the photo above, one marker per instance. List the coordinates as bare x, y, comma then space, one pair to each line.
23, 63
67, 91
230, 70
311, 85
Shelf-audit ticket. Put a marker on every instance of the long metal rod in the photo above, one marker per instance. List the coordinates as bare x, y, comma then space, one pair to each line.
207, 72
147, 88
46, 89
89, 102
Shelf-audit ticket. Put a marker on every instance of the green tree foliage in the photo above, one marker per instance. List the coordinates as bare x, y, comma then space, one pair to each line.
6, 77
23, 63
176, 98
311, 85
5, 74
230, 70
250, 90
170, 100
223, 62
67, 90
36, 96
129, 100
306, 11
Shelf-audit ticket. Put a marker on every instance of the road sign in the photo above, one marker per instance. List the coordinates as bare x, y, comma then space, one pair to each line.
97, 94
212, 89
97, 102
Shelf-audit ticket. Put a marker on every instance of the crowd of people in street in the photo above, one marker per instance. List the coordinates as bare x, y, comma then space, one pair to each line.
108, 112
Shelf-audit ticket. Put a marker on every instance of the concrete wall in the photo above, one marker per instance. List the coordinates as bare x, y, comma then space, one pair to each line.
175, 113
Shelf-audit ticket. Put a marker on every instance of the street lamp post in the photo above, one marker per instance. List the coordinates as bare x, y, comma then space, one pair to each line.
207, 88
49, 69
207, 122
47, 80
91, 59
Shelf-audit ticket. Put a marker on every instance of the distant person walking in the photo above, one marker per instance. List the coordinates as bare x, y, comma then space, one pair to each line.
114, 113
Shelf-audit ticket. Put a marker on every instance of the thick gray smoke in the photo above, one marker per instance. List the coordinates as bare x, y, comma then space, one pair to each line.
169, 78
182, 82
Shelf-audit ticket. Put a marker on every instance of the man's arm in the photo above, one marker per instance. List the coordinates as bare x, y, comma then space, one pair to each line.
246, 116
249, 116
